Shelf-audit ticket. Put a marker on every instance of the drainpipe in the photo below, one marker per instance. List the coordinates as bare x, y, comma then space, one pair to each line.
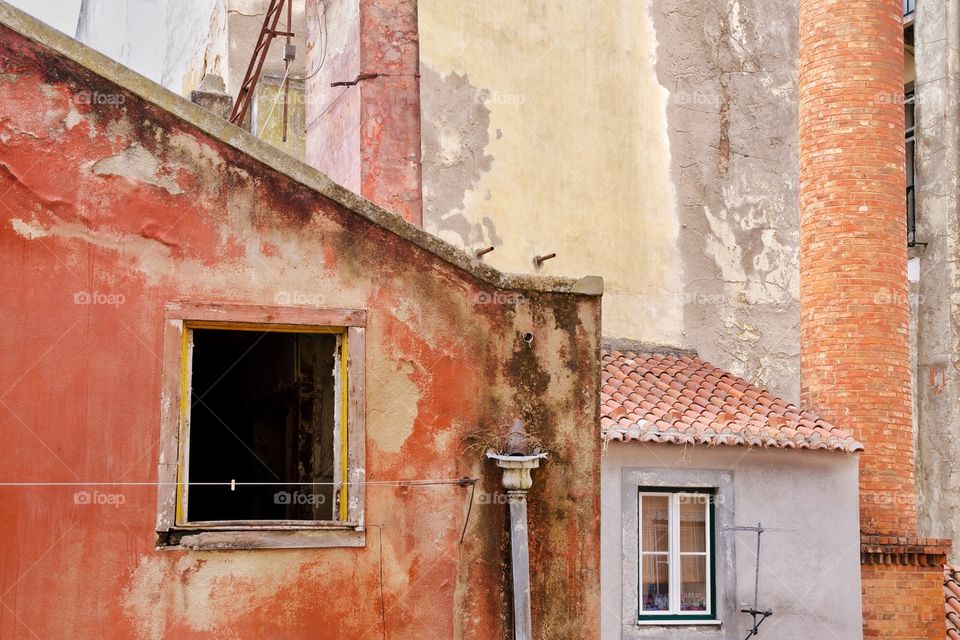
517, 481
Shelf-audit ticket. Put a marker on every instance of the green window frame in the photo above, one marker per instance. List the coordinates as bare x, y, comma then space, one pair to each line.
664, 553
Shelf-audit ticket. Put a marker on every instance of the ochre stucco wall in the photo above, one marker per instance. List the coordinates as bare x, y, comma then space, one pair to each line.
122, 199
544, 130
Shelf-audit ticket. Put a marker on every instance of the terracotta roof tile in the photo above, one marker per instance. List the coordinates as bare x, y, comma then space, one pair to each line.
685, 400
951, 605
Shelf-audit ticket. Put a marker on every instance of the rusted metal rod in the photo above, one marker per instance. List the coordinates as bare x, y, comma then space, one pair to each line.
267, 33
288, 55
539, 260
482, 252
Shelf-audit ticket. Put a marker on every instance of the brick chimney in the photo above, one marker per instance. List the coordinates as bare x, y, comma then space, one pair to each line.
363, 99
854, 328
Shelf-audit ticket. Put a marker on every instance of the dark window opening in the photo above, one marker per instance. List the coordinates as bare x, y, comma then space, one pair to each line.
909, 112
263, 409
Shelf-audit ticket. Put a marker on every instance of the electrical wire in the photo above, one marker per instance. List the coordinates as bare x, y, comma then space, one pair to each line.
323, 54
425, 482
274, 106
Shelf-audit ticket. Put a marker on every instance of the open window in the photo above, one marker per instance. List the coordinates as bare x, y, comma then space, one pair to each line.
263, 446
676, 555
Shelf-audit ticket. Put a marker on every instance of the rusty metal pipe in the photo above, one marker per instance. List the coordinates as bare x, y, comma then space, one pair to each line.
539, 260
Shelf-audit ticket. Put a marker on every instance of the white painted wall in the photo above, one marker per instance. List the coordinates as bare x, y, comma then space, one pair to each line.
172, 43
59, 14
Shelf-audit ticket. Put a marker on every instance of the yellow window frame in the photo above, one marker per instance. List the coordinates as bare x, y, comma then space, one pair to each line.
186, 360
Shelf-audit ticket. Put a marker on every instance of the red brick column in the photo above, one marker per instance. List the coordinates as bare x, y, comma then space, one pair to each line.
854, 329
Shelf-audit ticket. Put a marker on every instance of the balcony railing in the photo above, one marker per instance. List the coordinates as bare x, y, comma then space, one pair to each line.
911, 219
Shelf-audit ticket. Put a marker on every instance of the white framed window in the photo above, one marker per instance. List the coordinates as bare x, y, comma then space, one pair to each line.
676, 555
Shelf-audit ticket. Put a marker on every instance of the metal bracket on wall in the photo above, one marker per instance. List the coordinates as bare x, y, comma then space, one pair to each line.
755, 613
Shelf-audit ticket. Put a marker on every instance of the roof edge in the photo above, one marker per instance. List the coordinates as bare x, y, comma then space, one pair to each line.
638, 346
752, 439
265, 153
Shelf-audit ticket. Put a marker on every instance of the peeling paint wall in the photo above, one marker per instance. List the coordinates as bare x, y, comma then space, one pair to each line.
363, 107
732, 118
652, 143
111, 210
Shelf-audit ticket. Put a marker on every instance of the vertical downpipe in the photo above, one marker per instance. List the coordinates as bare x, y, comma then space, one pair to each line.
517, 481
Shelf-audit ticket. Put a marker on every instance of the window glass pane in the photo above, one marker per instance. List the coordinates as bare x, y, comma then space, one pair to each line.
693, 583
693, 522
655, 583
654, 528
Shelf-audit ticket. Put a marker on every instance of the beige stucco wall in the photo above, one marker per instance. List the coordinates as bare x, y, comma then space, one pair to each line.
545, 131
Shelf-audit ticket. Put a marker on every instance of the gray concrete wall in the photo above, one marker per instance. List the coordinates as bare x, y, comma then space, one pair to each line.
937, 338
731, 70
809, 576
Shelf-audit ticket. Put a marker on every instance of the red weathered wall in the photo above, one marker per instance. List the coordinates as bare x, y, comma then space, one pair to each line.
125, 200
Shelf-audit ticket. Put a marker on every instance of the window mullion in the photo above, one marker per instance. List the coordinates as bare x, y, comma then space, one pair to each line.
674, 553
708, 545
